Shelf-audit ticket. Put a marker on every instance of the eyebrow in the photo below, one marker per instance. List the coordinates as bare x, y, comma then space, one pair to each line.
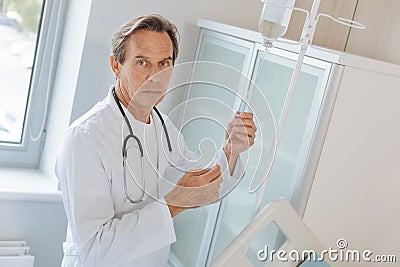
164, 59
139, 57
167, 58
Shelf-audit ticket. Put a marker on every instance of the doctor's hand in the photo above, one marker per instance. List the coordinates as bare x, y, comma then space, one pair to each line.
194, 189
240, 135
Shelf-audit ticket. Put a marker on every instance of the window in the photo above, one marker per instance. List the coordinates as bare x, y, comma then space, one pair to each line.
30, 34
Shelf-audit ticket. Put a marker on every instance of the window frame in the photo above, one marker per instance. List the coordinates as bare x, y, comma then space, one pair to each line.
27, 153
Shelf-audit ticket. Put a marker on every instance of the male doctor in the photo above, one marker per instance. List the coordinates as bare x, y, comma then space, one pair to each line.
120, 211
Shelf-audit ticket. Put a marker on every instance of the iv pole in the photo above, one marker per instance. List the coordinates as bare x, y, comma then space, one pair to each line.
305, 42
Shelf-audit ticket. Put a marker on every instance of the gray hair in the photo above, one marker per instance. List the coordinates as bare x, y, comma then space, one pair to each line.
148, 23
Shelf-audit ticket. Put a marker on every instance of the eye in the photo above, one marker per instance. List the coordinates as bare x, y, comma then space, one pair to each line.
165, 63
141, 62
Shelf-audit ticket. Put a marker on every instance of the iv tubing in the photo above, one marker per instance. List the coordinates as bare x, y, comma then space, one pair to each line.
281, 124
307, 35
272, 152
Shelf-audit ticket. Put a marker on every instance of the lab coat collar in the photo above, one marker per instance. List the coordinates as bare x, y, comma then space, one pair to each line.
110, 101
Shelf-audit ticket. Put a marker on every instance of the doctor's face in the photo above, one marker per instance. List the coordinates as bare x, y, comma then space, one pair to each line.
144, 76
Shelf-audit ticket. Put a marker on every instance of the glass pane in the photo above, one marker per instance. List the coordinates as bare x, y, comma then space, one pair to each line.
215, 87
209, 108
189, 229
19, 25
273, 82
227, 53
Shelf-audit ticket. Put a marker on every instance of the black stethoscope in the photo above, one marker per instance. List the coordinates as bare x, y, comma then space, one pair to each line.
125, 151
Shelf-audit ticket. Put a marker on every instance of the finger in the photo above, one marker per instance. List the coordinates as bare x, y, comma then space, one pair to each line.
217, 180
234, 126
246, 142
207, 175
243, 129
248, 122
199, 172
244, 138
229, 128
237, 122
242, 135
245, 115
212, 175
217, 167
251, 132
241, 122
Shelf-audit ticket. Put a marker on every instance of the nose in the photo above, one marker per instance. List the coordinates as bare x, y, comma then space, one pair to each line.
154, 74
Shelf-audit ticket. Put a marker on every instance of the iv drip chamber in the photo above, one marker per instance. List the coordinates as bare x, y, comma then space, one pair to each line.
274, 19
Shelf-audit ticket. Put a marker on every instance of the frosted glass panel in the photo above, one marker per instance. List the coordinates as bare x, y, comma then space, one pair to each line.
208, 110
224, 52
213, 94
273, 82
189, 229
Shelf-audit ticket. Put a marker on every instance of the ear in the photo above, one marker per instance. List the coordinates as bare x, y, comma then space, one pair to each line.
115, 66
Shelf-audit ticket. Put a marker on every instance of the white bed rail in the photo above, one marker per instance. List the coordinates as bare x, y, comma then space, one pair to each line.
298, 236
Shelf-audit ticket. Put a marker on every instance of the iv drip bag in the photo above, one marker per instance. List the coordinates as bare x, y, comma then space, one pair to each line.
275, 19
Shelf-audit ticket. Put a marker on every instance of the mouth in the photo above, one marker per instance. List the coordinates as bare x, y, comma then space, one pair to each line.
152, 92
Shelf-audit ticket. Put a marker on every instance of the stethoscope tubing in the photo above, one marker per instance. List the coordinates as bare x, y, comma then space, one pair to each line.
125, 142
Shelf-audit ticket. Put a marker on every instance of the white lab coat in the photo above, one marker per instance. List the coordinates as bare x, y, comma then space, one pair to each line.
103, 228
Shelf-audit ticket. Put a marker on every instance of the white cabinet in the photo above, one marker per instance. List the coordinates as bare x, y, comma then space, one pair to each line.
294, 150
204, 232
354, 195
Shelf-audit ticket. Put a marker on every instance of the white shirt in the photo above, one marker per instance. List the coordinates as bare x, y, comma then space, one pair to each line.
104, 229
